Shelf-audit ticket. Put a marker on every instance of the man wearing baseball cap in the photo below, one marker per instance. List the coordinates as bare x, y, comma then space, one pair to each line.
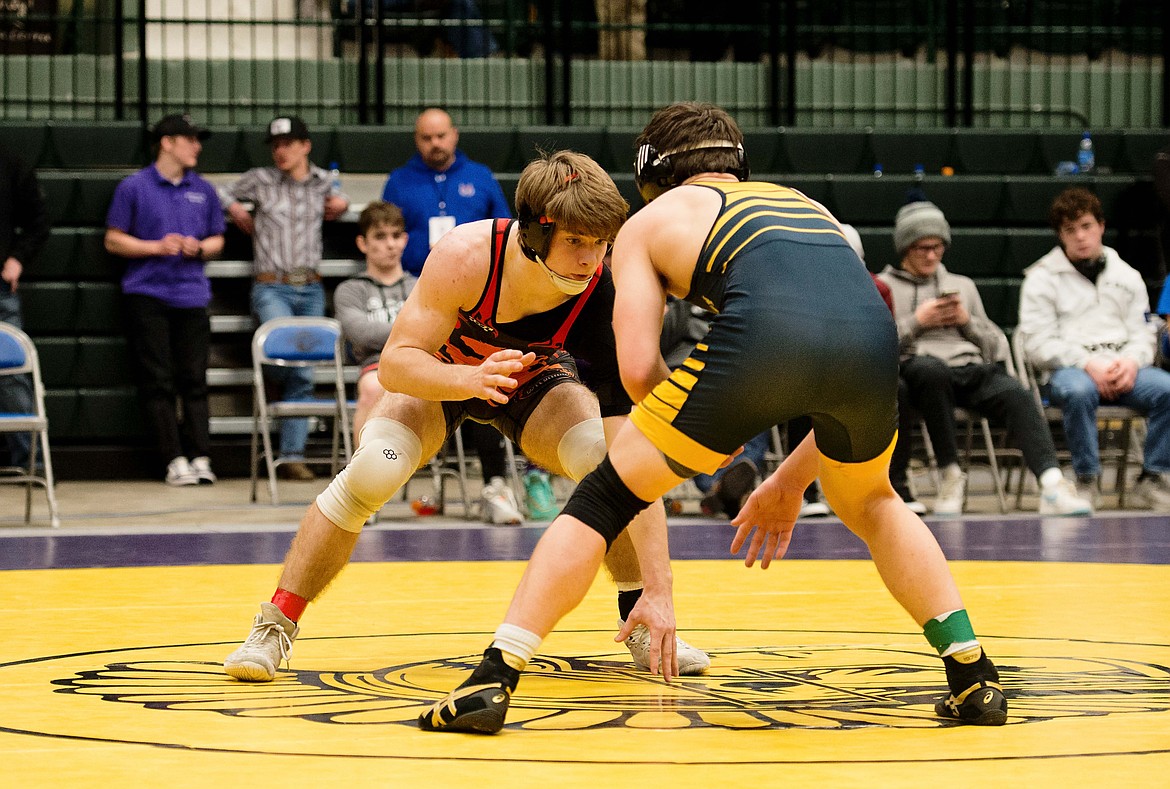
289, 201
166, 221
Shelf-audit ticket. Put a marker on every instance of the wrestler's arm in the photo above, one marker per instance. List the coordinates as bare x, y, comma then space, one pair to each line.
452, 279
638, 308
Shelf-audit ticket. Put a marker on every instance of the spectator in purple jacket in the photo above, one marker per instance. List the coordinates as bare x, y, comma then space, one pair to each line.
166, 221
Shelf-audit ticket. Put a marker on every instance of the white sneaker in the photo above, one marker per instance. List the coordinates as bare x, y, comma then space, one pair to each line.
267, 645
1153, 492
179, 473
691, 661
201, 466
1062, 499
499, 503
952, 492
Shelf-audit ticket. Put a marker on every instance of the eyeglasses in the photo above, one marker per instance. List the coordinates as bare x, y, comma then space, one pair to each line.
925, 249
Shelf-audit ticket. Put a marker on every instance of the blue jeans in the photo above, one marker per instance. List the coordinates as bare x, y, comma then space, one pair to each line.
16, 391
1073, 390
753, 450
276, 300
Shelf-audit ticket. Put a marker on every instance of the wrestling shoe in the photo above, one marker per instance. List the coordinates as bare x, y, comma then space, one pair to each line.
479, 705
499, 503
267, 645
691, 661
980, 702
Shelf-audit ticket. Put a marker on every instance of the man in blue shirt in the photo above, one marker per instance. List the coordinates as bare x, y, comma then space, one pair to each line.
440, 188
437, 189
166, 221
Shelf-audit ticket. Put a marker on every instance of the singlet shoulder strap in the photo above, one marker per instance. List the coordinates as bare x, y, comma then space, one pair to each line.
485, 308
563, 332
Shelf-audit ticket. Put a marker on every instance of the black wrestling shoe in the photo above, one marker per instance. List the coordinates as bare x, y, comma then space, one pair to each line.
480, 704
982, 704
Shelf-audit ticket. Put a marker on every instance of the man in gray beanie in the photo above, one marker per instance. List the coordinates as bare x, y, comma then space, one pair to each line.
951, 356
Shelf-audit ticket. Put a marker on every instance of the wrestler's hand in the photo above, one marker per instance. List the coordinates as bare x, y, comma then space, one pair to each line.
656, 612
492, 379
772, 511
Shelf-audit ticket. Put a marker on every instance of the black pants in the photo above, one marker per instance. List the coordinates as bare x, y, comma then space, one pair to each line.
934, 389
170, 349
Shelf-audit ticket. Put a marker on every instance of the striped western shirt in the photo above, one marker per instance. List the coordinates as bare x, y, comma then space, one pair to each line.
288, 215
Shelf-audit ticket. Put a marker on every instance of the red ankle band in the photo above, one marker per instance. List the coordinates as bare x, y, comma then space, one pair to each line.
291, 605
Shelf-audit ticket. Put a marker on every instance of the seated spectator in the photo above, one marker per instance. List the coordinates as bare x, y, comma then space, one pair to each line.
1084, 314
468, 39
950, 357
366, 305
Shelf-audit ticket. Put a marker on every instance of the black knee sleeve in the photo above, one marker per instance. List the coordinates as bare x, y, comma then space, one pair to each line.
604, 503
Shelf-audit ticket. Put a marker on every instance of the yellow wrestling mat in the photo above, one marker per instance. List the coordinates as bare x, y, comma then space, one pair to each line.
112, 677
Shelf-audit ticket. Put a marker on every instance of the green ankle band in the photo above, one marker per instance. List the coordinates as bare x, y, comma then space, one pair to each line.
955, 629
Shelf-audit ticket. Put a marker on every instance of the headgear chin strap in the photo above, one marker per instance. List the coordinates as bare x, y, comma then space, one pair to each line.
535, 239
654, 171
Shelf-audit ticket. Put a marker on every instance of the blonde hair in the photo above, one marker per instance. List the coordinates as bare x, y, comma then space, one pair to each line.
572, 190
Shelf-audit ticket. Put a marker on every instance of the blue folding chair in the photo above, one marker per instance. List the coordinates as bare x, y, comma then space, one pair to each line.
18, 356
314, 343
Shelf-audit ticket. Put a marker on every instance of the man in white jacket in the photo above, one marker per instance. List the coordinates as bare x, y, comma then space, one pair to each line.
1084, 313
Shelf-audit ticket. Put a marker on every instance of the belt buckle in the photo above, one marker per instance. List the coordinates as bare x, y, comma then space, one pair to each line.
298, 276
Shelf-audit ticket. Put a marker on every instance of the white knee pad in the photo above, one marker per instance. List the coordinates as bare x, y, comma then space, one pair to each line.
389, 453
582, 448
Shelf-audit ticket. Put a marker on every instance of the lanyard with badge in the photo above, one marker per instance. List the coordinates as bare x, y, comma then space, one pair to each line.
442, 224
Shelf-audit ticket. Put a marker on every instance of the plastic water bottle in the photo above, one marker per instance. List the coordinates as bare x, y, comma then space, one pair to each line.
1086, 160
334, 179
877, 170
919, 173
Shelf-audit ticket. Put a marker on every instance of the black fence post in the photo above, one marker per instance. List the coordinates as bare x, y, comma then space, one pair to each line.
548, 7
950, 111
119, 62
1165, 62
143, 93
969, 63
566, 61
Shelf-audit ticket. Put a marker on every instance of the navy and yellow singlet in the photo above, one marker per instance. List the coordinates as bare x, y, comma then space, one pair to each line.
800, 329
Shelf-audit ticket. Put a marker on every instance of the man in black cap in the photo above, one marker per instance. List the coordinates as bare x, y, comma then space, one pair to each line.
290, 200
166, 221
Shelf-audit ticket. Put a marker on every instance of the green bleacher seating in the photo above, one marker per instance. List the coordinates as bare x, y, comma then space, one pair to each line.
56, 258
826, 151
81, 146
491, 146
1001, 300
58, 189
976, 253
27, 142
900, 151
619, 144
996, 152
1061, 146
108, 412
49, 307
102, 361
222, 151
58, 357
814, 186
99, 308
863, 199
94, 192
1141, 147
372, 149
763, 147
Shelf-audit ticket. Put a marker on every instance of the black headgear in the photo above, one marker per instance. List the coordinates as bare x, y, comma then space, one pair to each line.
536, 233
654, 171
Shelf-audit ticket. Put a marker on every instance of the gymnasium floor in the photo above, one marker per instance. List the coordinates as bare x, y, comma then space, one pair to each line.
115, 626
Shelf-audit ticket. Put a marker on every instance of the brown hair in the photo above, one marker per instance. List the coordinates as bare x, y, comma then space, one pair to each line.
574, 191
683, 124
1072, 204
380, 213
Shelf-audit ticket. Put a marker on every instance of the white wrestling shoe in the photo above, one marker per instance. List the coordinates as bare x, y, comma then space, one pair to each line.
691, 661
267, 645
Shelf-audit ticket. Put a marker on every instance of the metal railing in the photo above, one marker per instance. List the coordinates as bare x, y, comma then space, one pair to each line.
890, 63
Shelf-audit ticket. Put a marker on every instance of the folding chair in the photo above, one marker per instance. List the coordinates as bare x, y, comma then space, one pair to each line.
1128, 417
18, 356
313, 343
448, 464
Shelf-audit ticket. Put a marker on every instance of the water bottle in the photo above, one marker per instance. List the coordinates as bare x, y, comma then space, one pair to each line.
919, 173
877, 170
1086, 161
334, 179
